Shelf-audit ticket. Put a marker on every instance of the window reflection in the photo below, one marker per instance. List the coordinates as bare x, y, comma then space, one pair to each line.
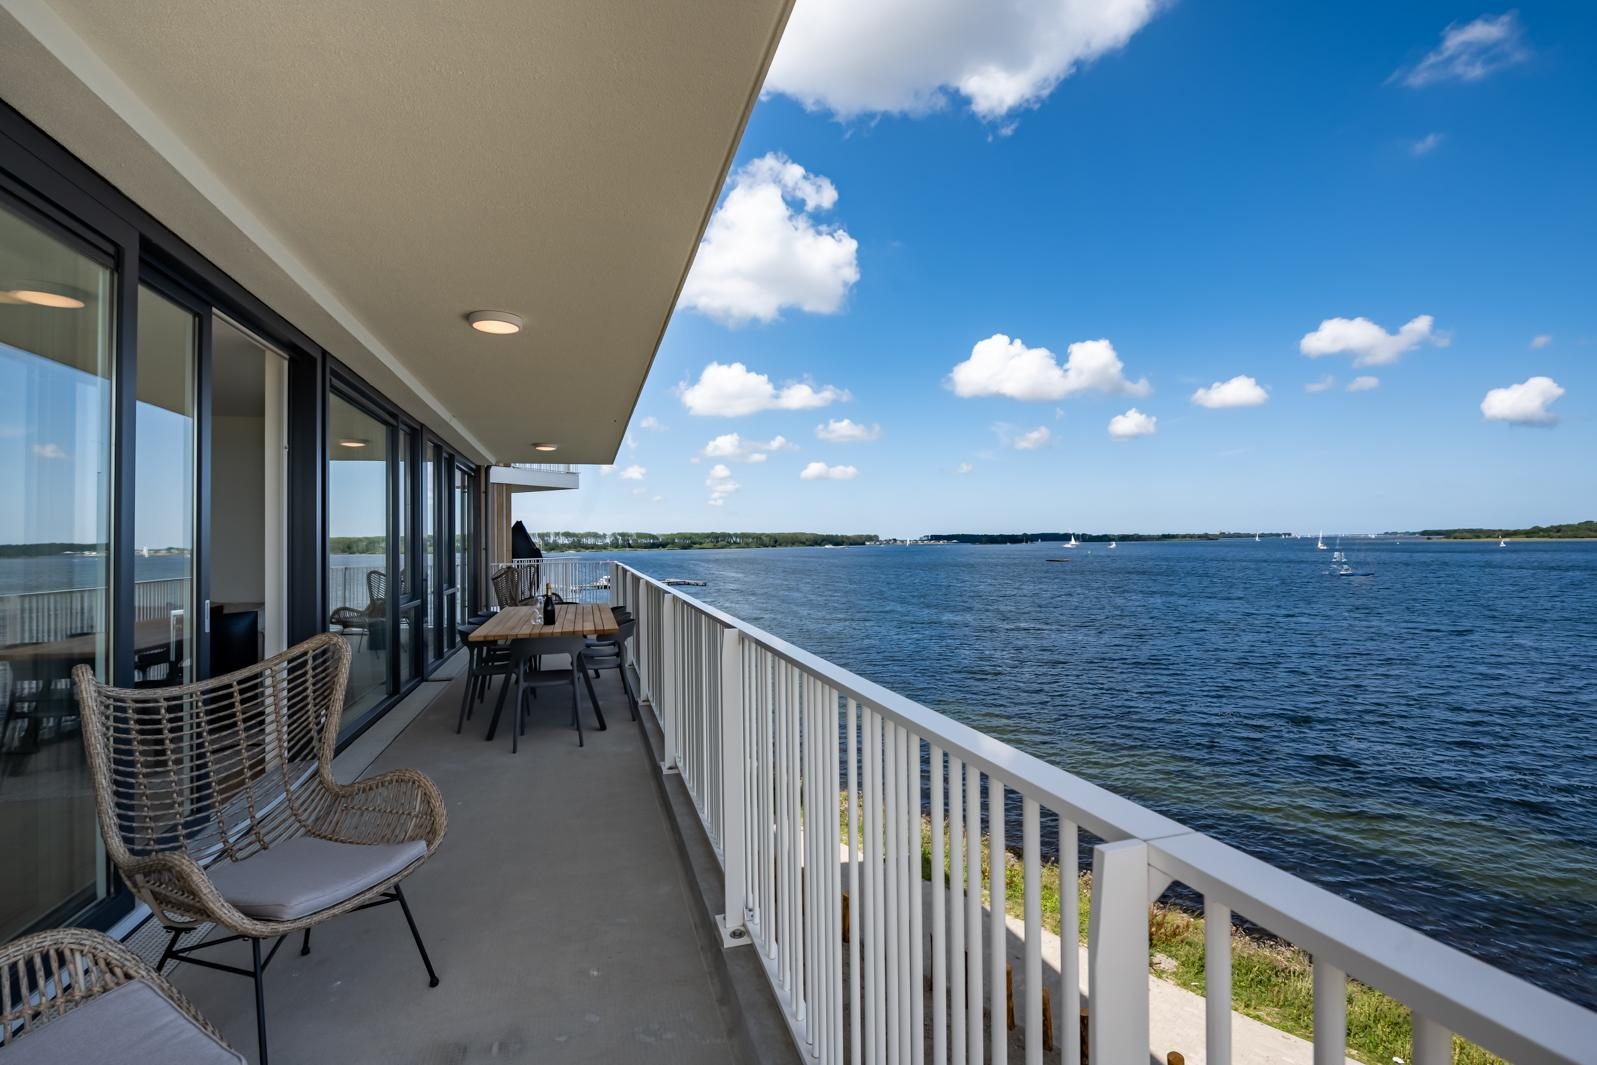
357, 550
55, 362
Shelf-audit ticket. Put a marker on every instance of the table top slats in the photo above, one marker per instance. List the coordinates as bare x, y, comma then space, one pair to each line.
526, 622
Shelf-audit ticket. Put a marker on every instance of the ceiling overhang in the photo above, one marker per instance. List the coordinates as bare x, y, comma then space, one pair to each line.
375, 171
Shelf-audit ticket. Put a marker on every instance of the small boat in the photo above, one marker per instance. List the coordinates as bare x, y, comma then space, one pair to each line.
1320, 546
1501, 542
1113, 545
1072, 542
1058, 560
682, 582
1255, 537
1348, 571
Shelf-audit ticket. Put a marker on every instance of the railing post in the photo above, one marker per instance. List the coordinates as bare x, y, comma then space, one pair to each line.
1117, 955
733, 770
666, 698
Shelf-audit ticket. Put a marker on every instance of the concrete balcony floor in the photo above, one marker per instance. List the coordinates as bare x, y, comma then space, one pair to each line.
556, 912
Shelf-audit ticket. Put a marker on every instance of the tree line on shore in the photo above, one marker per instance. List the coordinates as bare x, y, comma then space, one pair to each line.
686, 541
1576, 530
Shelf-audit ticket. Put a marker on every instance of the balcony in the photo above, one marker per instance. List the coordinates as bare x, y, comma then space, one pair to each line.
535, 476
589, 905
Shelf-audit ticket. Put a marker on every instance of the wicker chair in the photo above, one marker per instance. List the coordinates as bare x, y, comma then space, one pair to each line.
218, 804
507, 586
73, 995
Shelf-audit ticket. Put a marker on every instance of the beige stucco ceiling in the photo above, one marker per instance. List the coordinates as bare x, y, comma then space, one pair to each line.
374, 170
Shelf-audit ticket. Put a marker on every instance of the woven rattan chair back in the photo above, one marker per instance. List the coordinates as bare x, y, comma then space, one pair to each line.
507, 586
45, 976
218, 769
376, 587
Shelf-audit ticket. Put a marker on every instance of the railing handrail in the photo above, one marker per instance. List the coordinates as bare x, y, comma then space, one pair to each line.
1482, 1003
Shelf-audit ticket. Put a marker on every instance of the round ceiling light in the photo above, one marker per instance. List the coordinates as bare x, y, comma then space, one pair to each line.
48, 294
352, 441
545, 447
500, 323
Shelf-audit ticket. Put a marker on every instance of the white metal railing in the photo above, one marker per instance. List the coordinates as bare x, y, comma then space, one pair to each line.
29, 617
577, 578
768, 737
546, 467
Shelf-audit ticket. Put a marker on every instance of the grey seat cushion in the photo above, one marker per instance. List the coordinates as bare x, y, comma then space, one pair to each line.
302, 875
132, 1025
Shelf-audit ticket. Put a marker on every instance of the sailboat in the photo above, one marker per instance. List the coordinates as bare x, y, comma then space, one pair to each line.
1073, 542
1501, 542
1255, 537
1320, 546
1113, 545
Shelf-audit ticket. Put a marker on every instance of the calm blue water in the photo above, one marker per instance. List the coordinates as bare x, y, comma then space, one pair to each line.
1423, 742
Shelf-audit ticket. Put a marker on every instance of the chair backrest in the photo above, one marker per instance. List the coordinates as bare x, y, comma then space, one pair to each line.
507, 586
222, 767
45, 976
376, 586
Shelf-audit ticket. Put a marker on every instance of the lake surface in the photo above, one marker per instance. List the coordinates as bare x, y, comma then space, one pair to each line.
1423, 741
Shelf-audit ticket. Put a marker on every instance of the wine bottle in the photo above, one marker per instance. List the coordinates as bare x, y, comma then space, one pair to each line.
548, 604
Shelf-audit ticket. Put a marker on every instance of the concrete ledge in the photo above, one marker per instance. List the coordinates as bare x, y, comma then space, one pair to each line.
754, 1018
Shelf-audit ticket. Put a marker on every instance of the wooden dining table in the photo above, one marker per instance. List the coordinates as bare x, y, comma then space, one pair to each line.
517, 625
526, 623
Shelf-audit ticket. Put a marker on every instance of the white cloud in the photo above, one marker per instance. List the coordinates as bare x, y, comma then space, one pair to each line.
1368, 343
764, 250
733, 448
1523, 404
1033, 439
1364, 384
634, 473
963, 468
820, 471
1425, 145
844, 431
632, 442
1324, 384
1470, 52
1240, 391
605, 471
1131, 424
999, 366
720, 484
728, 391
48, 451
854, 57
1540, 340
652, 423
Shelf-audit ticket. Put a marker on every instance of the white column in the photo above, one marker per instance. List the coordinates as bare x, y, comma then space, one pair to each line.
733, 771
1117, 954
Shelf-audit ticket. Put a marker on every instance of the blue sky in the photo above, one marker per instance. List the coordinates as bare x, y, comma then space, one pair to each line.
1203, 194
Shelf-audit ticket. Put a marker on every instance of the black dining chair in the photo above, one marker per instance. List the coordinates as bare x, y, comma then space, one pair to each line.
611, 654
484, 662
531, 653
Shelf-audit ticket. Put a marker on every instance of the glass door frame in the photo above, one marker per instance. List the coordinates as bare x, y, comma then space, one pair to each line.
197, 630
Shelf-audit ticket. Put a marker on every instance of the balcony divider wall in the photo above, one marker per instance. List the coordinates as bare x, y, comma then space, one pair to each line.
50, 200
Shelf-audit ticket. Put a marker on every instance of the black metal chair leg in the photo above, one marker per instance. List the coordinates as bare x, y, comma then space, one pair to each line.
260, 999
432, 977
171, 945
632, 698
576, 713
305, 944
594, 699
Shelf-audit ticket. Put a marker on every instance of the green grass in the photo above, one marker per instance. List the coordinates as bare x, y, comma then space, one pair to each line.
1271, 981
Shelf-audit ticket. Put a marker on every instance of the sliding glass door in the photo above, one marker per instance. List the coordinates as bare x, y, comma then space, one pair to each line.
359, 514
56, 369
